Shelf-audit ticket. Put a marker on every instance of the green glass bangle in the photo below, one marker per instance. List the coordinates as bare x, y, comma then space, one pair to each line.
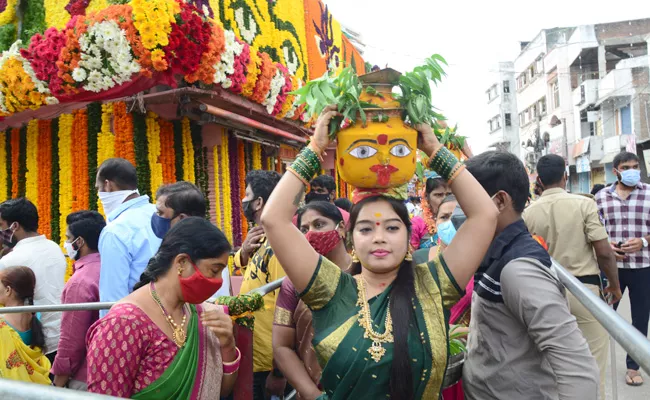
443, 162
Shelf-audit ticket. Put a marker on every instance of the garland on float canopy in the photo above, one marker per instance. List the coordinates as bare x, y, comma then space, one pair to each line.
65, 172
31, 163
123, 126
55, 211
22, 161
141, 151
188, 152
257, 156
79, 143
3, 166
242, 186
95, 125
178, 149
105, 144
201, 164
167, 156
235, 201
226, 186
218, 179
153, 153
45, 178
9, 164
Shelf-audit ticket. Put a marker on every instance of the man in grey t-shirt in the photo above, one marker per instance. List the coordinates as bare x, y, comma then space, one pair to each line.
523, 341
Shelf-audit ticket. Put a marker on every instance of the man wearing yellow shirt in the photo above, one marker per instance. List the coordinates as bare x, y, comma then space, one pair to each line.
259, 267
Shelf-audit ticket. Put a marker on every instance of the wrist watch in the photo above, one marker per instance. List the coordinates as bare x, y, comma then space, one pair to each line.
644, 241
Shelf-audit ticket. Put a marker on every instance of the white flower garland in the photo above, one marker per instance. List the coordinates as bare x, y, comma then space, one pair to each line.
248, 34
226, 66
292, 112
106, 58
277, 83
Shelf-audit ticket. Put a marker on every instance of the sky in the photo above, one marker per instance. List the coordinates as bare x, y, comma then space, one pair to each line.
473, 36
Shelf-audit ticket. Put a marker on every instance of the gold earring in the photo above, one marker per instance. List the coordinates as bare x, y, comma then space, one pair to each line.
409, 256
355, 259
180, 271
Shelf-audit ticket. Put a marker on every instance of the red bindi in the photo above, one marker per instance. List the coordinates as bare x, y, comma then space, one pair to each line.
382, 139
377, 223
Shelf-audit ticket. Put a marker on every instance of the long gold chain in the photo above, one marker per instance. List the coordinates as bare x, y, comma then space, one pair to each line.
377, 349
178, 331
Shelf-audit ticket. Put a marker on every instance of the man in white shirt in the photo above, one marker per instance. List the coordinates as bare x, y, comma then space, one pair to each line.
19, 225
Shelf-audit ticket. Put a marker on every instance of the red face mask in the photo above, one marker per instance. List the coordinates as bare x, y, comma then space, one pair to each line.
197, 288
323, 242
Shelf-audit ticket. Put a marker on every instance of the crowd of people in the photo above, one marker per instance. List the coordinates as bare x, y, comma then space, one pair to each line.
372, 291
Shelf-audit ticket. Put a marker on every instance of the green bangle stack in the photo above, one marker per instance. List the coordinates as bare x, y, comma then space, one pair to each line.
444, 163
306, 165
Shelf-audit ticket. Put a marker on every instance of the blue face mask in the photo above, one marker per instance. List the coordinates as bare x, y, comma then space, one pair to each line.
630, 177
446, 232
160, 225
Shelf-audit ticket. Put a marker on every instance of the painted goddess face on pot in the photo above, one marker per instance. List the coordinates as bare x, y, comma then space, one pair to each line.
381, 155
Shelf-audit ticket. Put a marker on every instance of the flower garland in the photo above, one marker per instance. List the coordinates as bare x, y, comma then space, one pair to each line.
242, 187
45, 178
226, 186
235, 200
211, 58
9, 164
153, 153
225, 67
154, 19
257, 156
124, 144
280, 86
218, 214
238, 78
263, 85
141, 146
188, 152
167, 156
427, 216
66, 177
92, 136
55, 179
15, 162
105, 138
201, 165
31, 163
69, 58
187, 41
43, 52
252, 73
79, 144
178, 149
3, 164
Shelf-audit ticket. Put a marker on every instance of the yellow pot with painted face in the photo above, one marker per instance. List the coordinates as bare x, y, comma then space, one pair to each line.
378, 155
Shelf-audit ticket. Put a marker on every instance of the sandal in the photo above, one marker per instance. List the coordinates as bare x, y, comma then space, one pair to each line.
633, 378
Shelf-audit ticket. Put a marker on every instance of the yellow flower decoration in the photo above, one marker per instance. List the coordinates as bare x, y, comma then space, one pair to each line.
150, 17
105, 142
153, 139
3, 163
8, 16
31, 162
188, 152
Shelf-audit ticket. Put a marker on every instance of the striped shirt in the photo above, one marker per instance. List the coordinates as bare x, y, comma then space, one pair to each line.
627, 219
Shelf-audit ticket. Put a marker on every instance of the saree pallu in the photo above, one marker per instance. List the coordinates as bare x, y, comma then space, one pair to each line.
348, 369
20, 362
196, 371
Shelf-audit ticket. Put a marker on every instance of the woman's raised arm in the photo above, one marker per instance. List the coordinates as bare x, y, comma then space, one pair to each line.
297, 257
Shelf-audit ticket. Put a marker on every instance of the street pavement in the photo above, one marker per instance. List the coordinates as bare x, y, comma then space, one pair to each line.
624, 391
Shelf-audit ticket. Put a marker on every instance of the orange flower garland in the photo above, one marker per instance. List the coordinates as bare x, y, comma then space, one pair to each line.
45, 177
79, 147
167, 156
15, 161
427, 216
242, 186
263, 86
123, 128
216, 46
252, 73
3, 166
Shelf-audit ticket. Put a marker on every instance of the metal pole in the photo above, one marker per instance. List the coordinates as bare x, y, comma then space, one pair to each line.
629, 338
612, 350
58, 308
10, 389
268, 288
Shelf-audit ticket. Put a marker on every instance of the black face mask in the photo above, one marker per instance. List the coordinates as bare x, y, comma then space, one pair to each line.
313, 196
249, 212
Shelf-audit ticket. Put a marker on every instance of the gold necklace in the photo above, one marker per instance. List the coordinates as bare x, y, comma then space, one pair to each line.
377, 349
178, 332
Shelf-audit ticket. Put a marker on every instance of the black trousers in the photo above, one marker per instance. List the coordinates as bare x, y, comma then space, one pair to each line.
638, 282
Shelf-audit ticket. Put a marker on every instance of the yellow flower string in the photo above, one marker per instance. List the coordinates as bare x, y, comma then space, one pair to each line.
225, 173
105, 142
3, 169
153, 139
188, 152
257, 156
217, 193
65, 178
31, 161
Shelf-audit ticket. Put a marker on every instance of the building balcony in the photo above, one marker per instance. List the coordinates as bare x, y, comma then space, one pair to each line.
496, 137
586, 94
620, 81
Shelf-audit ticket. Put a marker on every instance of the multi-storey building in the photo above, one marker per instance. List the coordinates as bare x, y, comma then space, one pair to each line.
502, 122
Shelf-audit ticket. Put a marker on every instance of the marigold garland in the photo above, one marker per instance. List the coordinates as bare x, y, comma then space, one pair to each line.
22, 162
92, 135
45, 178
54, 208
188, 151
31, 163
235, 201
9, 164
3, 164
79, 143
226, 189
167, 156
178, 149
142, 166
218, 215
153, 142
154, 19
15, 161
263, 85
252, 73
105, 142
66, 177
123, 127
242, 187
427, 216
257, 156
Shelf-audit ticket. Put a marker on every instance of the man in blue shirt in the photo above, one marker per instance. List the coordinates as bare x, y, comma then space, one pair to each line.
128, 242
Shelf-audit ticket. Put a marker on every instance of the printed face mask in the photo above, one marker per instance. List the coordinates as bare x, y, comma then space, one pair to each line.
323, 242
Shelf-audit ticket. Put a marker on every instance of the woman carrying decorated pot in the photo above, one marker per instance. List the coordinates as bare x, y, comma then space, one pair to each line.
160, 342
382, 331
323, 226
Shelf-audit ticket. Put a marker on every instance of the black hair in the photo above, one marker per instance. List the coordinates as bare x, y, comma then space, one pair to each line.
433, 184
119, 171
182, 239
262, 183
401, 307
343, 204
447, 199
22, 211
325, 181
597, 188
184, 198
23, 282
499, 170
551, 169
88, 225
324, 208
623, 157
